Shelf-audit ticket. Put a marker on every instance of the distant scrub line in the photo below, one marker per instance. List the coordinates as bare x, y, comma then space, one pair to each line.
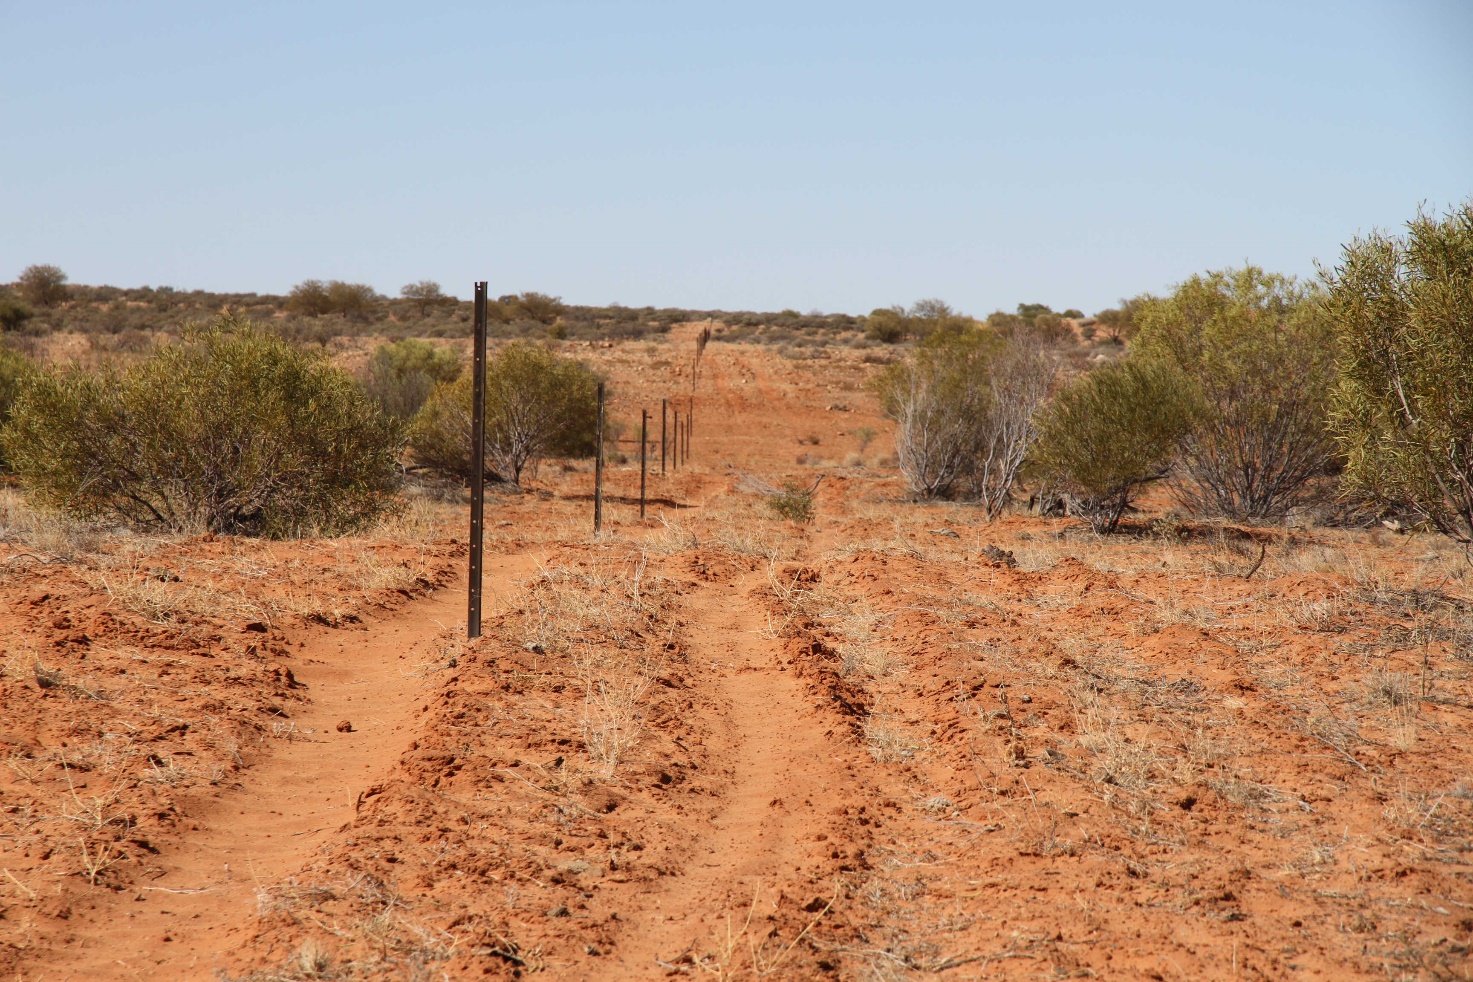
1249, 393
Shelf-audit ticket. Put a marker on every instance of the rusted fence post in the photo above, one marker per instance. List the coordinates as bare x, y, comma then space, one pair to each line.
644, 425
664, 412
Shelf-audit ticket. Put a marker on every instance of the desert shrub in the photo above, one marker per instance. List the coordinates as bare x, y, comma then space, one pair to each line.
351, 299
1033, 319
233, 430
1259, 349
965, 404
13, 311
538, 404
15, 370
537, 308
1403, 408
792, 502
425, 294
886, 325
927, 317
1118, 323
42, 285
1052, 328
1111, 433
309, 298
400, 376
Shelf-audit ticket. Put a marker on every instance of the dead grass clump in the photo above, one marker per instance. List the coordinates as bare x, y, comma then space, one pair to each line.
47, 533
887, 740
612, 722
421, 519
1120, 760
371, 931
595, 625
370, 571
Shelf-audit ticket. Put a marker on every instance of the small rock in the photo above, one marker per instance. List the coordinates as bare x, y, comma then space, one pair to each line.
345, 726
255, 626
949, 533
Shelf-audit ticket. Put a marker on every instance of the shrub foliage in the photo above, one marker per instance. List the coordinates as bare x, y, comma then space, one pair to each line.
1260, 352
400, 376
15, 370
1110, 434
233, 430
1403, 409
42, 285
965, 404
538, 404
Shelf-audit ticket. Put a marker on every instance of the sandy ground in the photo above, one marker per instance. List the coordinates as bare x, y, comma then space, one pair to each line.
895, 743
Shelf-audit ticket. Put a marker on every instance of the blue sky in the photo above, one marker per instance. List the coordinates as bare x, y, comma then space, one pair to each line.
831, 156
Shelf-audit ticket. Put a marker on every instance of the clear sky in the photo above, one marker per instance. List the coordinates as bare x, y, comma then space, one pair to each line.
754, 155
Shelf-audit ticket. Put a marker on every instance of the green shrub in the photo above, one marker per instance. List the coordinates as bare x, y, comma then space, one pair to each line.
532, 307
886, 325
425, 294
351, 299
309, 298
13, 311
792, 502
233, 430
400, 376
1118, 323
964, 404
1403, 409
1260, 351
15, 371
931, 316
42, 286
538, 404
1111, 433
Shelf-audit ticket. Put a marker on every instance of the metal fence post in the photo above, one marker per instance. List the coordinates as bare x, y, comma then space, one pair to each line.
598, 467
664, 412
478, 466
644, 425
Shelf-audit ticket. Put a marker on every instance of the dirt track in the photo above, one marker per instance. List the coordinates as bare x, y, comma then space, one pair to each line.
783, 773
195, 909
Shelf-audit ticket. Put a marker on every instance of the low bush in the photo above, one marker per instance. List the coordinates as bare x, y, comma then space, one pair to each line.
1110, 434
15, 369
792, 502
1260, 350
886, 325
13, 311
964, 404
400, 376
538, 404
233, 430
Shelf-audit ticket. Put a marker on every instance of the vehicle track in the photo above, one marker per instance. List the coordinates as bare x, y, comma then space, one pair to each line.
786, 780
203, 903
